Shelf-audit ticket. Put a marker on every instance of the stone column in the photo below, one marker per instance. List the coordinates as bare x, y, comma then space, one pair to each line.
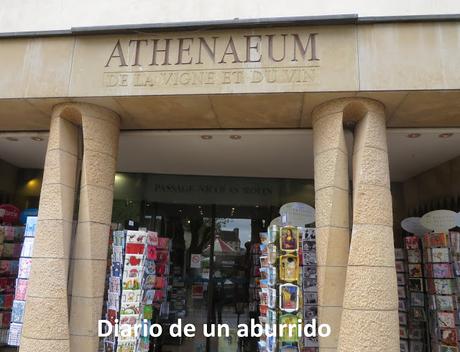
46, 327
370, 306
89, 259
332, 216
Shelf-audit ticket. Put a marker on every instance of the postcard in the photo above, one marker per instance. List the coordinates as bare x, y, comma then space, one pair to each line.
289, 297
289, 268
289, 239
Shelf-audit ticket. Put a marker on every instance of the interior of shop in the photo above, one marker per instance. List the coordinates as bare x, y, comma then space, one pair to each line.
211, 192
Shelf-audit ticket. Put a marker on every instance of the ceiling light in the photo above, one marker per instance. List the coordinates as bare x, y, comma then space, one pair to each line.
235, 136
445, 135
37, 139
12, 139
413, 135
206, 137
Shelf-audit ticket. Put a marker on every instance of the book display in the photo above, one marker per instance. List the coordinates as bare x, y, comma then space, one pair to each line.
20, 295
283, 283
137, 286
11, 238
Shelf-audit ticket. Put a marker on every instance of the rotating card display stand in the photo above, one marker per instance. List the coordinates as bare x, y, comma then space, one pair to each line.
21, 284
137, 284
287, 287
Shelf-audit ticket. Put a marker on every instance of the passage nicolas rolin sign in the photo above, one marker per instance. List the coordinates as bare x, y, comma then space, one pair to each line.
206, 60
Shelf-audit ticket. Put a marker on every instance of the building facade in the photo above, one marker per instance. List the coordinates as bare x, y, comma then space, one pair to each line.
341, 77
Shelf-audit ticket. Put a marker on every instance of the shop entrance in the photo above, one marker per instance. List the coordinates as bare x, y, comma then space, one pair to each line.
212, 272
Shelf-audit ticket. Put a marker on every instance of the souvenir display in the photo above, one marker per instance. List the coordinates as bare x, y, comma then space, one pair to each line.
412, 312
288, 292
440, 273
134, 286
20, 283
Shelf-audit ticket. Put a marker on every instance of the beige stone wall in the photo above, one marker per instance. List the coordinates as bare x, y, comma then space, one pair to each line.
377, 57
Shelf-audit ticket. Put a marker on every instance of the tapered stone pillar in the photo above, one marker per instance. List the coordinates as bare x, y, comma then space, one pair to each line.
357, 292
332, 216
46, 327
100, 145
370, 307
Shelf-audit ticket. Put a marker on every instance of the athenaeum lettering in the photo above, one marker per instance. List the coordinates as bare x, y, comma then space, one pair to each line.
299, 48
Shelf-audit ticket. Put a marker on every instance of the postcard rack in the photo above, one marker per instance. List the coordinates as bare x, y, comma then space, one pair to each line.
287, 286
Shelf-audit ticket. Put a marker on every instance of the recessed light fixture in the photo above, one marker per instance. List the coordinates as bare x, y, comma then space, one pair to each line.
12, 139
206, 137
445, 135
37, 139
413, 135
235, 136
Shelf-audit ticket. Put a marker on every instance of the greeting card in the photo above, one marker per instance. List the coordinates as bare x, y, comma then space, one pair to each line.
415, 270
443, 270
448, 336
21, 289
163, 243
443, 286
399, 253
113, 301
130, 308
440, 255
272, 253
116, 269
134, 260
415, 284
271, 295
411, 242
414, 256
31, 226
114, 284
289, 335
446, 319
149, 296
135, 248
17, 313
131, 296
271, 276
14, 335
27, 247
152, 238
136, 237
24, 268
117, 254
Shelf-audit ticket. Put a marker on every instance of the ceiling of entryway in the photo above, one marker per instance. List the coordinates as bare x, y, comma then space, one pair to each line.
413, 109
246, 153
